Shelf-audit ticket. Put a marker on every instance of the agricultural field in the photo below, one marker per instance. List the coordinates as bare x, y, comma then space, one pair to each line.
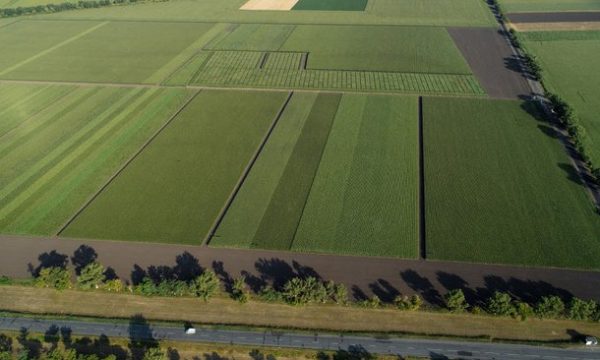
133, 52
60, 143
322, 185
516, 6
377, 12
501, 189
571, 69
331, 5
174, 189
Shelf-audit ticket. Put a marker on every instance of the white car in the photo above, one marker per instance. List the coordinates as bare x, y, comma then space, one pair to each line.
591, 341
190, 331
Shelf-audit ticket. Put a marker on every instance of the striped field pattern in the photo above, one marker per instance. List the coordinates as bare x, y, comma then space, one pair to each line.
282, 70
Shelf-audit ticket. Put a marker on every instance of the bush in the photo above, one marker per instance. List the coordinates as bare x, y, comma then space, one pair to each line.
550, 307
581, 309
299, 291
501, 303
154, 354
147, 287
239, 291
338, 293
523, 310
412, 303
206, 285
91, 276
54, 277
455, 300
114, 285
268, 293
372, 303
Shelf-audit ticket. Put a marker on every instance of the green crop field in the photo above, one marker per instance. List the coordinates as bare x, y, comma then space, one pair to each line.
318, 187
173, 191
549, 5
501, 189
331, 5
377, 12
131, 52
571, 69
60, 143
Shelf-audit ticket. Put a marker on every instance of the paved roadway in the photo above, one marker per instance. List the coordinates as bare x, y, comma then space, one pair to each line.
404, 347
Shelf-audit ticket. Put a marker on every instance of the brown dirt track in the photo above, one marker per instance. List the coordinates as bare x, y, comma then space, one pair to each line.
363, 275
546, 17
490, 57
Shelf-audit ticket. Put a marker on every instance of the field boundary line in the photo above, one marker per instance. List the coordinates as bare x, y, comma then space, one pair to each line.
10, 23
422, 224
52, 48
125, 164
246, 171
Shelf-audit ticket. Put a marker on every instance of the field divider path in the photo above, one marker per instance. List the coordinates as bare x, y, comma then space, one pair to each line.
125, 164
538, 90
246, 171
52, 48
422, 224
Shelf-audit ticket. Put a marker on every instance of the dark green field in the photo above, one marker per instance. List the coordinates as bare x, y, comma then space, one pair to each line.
331, 5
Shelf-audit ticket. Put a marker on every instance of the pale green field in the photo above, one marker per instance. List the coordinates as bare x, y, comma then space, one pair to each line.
378, 12
549, 5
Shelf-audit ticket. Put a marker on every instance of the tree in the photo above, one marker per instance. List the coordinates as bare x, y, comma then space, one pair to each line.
524, 310
54, 277
205, 285
550, 307
581, 309
373, 302
299, 291
146, 287
340, 294
91, 276
455, 300
154, 354
239, 291
501, 303
59, 354
412, 303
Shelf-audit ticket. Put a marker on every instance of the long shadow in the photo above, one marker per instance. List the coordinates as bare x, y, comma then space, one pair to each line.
32, 346
6, 343
140, 337
423, 286
52, 336
101, 347
277, 272
83, 256
223, 275
453, 282
529, 291
187, 267
49, 259
384, 290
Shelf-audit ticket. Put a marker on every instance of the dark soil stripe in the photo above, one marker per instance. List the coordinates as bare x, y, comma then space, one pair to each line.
422, 244
263, 60
281, 219
246, 172
303, 61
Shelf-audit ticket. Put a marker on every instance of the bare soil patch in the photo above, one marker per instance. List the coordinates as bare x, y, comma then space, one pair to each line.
546, 17
281, 5
556, 26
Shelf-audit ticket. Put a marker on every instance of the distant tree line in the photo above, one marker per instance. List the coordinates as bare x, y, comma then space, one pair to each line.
54, 8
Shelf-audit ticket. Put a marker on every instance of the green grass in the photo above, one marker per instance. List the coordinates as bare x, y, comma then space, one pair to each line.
500, 189
280, 220
255, 37
26, 3
240, 69
364, 199
130, 52
559, 35
57, 158
173, 191
331, 5
23, 40
549, 5
244, 216
352, 192
571, 69
378, 12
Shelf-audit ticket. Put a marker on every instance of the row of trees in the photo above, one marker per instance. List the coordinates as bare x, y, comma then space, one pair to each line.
548, 307
53, 8
302, 291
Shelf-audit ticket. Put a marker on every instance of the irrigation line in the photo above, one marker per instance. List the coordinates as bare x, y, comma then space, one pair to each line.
120, 170
246, 172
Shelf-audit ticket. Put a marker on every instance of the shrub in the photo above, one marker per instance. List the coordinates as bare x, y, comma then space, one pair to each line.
268, 293
581, 309
523, 310
147, 287
340, 294
54, 277
239, 291
206, 285
154, 354
373, 302
114, 285
455, 300
299, 291
91, 276
501, 303
550, 307
412, 303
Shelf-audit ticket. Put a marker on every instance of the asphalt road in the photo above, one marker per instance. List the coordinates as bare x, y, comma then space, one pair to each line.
405, 347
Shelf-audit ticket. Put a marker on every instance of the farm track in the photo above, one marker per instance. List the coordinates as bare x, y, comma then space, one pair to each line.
385, 277
551, 17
